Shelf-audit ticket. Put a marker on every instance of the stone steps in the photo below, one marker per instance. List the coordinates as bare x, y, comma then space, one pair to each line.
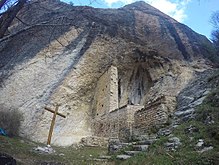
132, 153
137, 147
130, 149
123, 157
144, 142
140, 147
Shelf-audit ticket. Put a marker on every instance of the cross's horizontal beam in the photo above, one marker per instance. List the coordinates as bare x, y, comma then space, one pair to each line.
50, 110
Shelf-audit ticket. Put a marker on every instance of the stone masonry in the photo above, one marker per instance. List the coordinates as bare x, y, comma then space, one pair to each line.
156, 113
109, 120
106, 95
118, 123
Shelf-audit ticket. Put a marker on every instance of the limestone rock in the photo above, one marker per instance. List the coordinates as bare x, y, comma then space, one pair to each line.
45, 150
62, 61
202, 147
186, 112
164, 132
206, 149
200, 143
173, 143
193, 95
191, 129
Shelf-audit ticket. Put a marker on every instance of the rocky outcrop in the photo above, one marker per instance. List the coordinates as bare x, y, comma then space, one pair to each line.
60, 56
194, 94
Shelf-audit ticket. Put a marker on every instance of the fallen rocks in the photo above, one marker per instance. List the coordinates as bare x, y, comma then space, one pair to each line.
202, 147
172, 144
200, 143
175, 140
209, 120
47, 149
206, 149
191, 129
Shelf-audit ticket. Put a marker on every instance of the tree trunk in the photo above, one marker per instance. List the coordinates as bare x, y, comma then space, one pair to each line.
7, 18
2, 3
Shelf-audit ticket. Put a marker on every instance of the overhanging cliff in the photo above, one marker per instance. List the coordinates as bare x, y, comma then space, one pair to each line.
63, 52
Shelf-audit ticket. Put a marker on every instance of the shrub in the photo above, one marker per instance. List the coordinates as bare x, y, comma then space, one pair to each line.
10, 120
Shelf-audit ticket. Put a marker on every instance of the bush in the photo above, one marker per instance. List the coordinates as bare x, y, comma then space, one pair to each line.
10, 120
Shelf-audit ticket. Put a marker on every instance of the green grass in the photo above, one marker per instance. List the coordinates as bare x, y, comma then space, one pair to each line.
22, 151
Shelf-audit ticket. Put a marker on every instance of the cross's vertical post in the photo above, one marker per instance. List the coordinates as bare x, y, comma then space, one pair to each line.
52, 125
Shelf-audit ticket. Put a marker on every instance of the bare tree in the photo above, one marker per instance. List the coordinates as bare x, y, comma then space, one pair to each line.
2, 3
10, 9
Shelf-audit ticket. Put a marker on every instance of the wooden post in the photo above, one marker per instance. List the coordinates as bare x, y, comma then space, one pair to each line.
53, 122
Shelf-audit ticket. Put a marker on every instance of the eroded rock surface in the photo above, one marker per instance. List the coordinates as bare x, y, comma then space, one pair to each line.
60, 61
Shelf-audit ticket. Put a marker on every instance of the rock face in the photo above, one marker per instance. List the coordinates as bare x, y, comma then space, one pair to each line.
64, 51
194, 94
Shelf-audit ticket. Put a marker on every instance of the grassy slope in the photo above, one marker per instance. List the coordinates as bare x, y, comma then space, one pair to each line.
22, 151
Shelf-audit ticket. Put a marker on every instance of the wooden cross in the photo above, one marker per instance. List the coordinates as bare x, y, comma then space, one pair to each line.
53, 121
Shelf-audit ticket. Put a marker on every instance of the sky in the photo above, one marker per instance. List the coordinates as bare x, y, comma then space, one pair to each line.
194, 13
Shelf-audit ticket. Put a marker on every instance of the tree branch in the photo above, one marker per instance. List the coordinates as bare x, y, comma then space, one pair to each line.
30, 27
9, 16
22, 21
2, 3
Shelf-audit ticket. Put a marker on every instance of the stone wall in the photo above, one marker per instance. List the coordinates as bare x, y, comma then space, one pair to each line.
93, 141
155, 114
106, 96
117, 123
113, 95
